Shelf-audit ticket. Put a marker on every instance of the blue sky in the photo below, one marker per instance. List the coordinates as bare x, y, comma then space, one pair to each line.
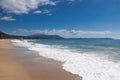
68, 18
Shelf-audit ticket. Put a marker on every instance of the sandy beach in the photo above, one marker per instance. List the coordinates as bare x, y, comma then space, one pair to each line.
10, 68
22, 64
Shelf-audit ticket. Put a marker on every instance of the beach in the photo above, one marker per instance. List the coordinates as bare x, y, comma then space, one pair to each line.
21, 64
57, 59
10, 68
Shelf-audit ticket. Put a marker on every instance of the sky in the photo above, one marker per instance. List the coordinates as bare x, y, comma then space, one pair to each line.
67, 18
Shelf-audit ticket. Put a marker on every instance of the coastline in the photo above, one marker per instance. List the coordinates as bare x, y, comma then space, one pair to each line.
41, 68
33, 66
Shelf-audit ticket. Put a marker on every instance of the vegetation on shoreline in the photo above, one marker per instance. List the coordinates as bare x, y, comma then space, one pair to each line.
36, 36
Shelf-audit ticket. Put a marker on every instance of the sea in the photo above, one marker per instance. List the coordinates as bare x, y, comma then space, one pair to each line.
91, 58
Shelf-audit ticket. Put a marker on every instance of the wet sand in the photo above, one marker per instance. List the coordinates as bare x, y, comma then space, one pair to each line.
22, 64
10, 68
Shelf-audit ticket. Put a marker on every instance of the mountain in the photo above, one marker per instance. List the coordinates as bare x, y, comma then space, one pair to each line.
93, 38
46, 36
7, 36
43, 36
35, 36
4, 35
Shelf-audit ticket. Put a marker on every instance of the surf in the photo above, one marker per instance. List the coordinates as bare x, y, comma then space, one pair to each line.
89, 66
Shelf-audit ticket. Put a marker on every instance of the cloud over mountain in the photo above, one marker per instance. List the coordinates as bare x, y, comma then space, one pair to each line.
66, 33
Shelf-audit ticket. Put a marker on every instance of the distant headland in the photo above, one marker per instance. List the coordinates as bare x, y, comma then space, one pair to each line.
35, 36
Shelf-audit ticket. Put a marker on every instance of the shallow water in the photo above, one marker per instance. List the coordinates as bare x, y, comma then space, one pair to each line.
93, 59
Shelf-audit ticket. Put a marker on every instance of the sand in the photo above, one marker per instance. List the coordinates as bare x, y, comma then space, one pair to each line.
10, 68
22, 64
41, 68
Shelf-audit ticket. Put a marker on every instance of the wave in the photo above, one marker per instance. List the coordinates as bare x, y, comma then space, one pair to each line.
89, 66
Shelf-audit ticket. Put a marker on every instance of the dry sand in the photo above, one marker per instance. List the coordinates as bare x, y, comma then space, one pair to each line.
22, 64
10, 68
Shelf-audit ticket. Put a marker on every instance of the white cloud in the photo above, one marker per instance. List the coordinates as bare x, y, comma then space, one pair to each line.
67, 33
71, 1
37, 12
7, 18
23, 6
47, 12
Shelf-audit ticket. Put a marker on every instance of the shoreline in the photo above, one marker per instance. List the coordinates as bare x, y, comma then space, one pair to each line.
35, 66
41, 68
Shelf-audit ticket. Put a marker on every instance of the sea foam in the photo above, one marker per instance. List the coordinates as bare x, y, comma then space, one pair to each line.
89, 66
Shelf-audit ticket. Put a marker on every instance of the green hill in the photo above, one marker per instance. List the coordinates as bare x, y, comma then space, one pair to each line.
7, 36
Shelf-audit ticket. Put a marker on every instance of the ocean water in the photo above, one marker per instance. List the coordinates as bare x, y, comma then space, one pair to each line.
93, 59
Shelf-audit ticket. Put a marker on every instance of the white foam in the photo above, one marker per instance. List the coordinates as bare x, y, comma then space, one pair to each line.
89, 66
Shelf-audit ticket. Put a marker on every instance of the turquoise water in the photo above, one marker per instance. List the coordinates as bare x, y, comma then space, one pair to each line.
108, 48
93, 59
